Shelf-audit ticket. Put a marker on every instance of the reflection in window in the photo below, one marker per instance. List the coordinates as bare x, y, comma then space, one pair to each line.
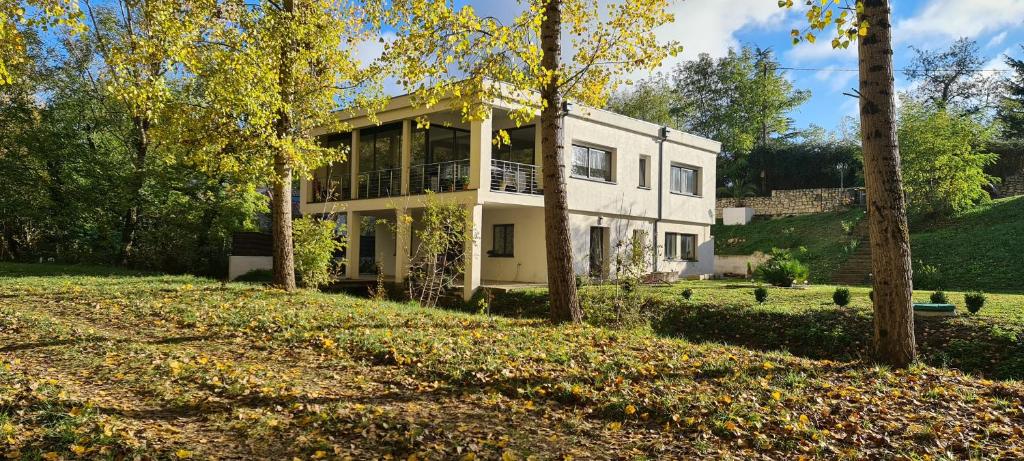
520, 148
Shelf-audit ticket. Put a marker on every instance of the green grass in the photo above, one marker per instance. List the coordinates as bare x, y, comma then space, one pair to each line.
978, 250
182, 367
805, 322
821, 235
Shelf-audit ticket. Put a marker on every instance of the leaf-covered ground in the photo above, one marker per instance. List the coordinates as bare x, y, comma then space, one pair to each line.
184, 368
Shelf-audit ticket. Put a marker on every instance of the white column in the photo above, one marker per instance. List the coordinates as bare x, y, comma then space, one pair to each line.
352, 250
406, 154
403, 243
353, 159
480, 153
471, 277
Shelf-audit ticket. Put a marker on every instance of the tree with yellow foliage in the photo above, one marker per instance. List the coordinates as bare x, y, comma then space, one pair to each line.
16, 15
442, 51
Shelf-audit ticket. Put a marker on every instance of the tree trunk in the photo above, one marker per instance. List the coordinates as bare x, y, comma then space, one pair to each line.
565, 306
281, 203
130, 224
887, 212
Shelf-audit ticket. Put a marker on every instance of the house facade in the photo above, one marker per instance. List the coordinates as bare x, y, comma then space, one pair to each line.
626, 180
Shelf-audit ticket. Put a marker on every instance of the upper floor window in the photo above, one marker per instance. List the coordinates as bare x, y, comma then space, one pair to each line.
644, 168
591, 163
684, 180
520, 148
380, 147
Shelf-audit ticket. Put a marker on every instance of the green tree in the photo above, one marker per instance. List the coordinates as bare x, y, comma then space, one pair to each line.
943, 159
444, 51
650, 99
1011, 105
870, 26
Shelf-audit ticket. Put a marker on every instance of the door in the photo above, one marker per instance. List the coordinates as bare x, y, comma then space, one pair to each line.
598, 250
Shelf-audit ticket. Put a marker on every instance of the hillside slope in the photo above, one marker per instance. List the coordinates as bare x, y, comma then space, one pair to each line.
977, 250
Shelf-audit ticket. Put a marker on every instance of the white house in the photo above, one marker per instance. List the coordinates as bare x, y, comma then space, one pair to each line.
623, 175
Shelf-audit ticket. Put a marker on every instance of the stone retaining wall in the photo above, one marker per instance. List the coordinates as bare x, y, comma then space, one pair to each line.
795, 201
1012, 186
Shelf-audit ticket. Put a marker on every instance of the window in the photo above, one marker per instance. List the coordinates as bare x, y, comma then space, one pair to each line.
504, 241
333, 181
680, 247
684, 180
591, 163
519, 149
645, 172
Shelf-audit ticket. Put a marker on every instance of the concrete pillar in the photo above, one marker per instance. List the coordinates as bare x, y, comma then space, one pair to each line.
352, 251
403, 243
480, 153
406, 162
471, 277
353, 160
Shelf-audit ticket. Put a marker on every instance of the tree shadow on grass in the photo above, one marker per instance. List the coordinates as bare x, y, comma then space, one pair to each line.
845, 334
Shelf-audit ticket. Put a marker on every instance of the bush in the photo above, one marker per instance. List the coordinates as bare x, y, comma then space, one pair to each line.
782, 269
687, 294
761, 294
871, 295
926, 276
841, 296
315, 243
939, 297
974, 301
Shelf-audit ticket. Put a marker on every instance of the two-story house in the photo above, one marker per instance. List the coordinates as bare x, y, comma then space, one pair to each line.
624, 176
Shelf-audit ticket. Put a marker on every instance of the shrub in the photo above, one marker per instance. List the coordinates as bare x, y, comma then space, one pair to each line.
871, 295
926, 276
782, 269
315, 243
687, 294
841, 296
761, 294
974, 301
939, 297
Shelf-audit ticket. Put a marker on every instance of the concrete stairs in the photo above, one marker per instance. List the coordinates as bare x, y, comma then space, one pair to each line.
856, 270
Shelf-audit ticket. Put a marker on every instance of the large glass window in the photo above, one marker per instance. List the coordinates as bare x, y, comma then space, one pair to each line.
520, 148
684, 180
439, 144
380, 148
588, 162
333, 182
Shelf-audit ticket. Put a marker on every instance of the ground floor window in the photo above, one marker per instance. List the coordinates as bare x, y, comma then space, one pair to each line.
682, 247
504, 241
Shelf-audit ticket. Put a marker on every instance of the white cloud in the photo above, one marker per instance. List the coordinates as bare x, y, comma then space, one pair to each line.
710, 26
953, 19
997, 40
822, 50
837, 78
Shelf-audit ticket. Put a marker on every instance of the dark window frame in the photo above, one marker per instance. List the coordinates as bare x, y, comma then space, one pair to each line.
589, 174
682, 250
507, 241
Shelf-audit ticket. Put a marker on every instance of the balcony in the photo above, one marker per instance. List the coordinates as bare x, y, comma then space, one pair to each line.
515, 178
380, 183
448, 176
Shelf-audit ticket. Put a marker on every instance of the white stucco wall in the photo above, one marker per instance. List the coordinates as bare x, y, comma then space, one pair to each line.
529, 263
241, 265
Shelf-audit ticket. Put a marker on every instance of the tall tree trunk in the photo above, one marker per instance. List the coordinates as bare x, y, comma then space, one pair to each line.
130, 226
281, 204
887, 212
565, 306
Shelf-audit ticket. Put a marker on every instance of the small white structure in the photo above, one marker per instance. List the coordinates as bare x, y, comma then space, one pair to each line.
241, 265
624, 178
738, 265
737, 216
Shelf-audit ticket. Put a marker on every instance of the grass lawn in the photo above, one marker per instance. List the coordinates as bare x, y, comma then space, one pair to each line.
977, 250
116, 366
822, 235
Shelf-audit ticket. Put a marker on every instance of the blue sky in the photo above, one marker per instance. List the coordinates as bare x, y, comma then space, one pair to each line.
713, 26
